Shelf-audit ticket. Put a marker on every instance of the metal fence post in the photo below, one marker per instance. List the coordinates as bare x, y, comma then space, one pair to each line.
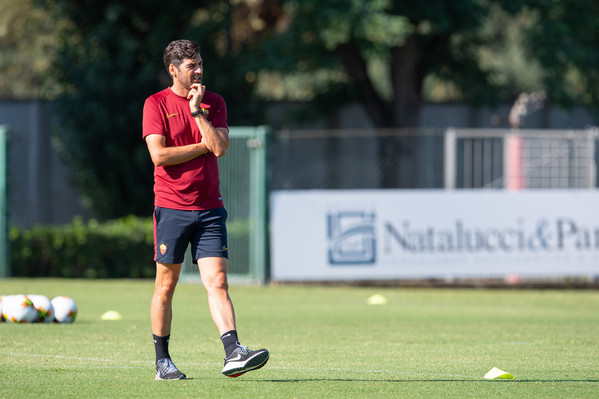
244, 188
450, 159
258, 204
591, 137
4, 237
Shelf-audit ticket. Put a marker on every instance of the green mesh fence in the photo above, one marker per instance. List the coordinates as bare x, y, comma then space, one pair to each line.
243, 186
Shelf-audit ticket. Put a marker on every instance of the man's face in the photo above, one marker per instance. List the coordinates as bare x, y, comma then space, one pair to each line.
189, 72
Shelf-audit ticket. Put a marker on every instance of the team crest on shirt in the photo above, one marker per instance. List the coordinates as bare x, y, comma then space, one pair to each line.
163, 248
205, 108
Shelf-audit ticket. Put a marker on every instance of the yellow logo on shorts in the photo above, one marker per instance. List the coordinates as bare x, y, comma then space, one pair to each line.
163, 248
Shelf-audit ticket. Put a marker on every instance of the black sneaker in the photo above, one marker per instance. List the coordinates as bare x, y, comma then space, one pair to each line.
166, 370
243, 360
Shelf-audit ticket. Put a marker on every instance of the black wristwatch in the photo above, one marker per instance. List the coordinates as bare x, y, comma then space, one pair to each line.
198, 112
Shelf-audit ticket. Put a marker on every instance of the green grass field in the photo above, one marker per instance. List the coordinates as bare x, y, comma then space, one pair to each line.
325, 342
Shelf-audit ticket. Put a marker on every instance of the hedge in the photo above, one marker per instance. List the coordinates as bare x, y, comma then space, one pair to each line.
120, 248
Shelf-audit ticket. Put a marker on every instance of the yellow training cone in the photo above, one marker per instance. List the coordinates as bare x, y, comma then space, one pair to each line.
377, 300
496, 374
111, 315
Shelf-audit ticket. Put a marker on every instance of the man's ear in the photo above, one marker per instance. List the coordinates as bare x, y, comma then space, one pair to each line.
172, 70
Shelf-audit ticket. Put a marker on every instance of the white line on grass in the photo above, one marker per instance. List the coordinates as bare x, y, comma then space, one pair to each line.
362, 371
78, 358
142, 363
137, 363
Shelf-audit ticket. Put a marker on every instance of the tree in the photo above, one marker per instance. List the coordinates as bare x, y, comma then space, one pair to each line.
454, 42
105, 67
27, 45
565, 39
484, 51
109, 61
380, 53
412, 41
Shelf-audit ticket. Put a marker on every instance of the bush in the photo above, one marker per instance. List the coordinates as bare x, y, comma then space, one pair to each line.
120, 248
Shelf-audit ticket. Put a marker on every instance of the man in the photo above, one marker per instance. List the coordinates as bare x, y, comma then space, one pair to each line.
185, 129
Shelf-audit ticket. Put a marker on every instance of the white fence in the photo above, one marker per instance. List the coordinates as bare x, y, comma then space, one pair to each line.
520, 159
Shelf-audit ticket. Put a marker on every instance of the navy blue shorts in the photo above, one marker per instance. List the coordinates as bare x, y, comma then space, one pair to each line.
174, 230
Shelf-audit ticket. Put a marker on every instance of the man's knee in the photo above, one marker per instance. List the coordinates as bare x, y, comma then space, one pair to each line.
218, 281
166, 281
213, 272
166, 288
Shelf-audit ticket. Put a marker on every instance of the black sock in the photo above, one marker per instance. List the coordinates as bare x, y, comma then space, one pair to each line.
161, 347
230, 341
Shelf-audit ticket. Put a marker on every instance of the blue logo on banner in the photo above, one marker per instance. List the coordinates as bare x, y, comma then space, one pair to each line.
351, 238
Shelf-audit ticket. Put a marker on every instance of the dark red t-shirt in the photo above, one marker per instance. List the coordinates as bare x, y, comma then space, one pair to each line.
192, 185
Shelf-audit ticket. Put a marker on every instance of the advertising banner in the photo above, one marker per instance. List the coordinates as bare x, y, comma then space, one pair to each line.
410, 234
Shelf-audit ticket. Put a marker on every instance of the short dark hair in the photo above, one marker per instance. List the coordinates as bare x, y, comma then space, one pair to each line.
179, 50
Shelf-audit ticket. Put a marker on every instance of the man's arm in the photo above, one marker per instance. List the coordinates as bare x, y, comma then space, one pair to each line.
216, 139
166, 156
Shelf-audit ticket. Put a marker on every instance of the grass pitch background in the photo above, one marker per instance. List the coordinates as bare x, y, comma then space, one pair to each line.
325, 342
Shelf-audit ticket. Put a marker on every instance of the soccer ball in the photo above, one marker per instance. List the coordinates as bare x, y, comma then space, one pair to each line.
1, 314
45, 310
18, 309
65, 309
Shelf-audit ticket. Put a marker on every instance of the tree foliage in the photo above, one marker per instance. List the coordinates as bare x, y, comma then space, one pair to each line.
110, 60
105, 67
565, 39
483, 51
388, 55
28, 43
463, 44
411, 40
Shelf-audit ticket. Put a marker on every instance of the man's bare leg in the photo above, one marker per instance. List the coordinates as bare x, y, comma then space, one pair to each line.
161, 315
214, 277
238, 359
